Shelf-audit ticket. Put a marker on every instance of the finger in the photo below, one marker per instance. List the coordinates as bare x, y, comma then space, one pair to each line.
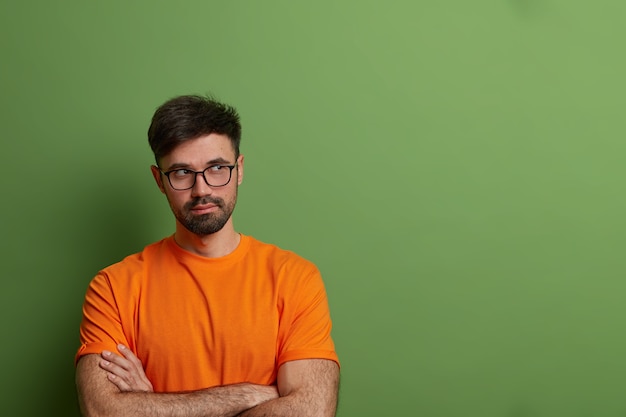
125, 381
131, 379
114, 369
129, 368
118, 382
128, 354
117, 360
138, 372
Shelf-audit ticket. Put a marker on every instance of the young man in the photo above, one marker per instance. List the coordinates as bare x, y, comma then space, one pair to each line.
206, 322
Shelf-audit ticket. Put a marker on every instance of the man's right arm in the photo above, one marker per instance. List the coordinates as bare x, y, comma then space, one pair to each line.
98, 397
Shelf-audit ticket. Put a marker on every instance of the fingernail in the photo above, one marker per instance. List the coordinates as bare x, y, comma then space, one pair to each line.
121, 347
106, 353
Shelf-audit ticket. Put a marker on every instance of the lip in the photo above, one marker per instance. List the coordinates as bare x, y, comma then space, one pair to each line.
202, 209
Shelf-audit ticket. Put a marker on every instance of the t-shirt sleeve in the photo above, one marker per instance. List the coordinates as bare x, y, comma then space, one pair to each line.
100, 328
305, 325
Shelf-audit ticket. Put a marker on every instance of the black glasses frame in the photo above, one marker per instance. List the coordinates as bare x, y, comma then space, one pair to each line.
195, 177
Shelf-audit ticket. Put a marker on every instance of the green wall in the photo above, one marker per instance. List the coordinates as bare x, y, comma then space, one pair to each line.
456, 169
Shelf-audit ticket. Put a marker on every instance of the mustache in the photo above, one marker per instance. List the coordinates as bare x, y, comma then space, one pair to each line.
199, 201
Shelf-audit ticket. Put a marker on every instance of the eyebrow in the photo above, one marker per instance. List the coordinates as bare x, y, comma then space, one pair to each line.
179, 165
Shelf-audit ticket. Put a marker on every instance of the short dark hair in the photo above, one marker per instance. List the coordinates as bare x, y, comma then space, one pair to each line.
189, 117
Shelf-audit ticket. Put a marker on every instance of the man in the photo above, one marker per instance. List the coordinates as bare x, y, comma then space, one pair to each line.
206, 322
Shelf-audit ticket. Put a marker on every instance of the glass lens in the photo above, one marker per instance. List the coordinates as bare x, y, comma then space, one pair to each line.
217, 175
182, 179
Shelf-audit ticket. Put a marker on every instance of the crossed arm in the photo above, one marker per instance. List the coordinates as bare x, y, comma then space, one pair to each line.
112, 385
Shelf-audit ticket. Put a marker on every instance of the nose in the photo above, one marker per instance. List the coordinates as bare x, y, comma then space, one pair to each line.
201, 187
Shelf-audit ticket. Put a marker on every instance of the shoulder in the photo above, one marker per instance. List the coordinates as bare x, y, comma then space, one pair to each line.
277, 256
135, 263
290, 271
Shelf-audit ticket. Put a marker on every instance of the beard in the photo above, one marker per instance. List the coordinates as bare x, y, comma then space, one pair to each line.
209, 223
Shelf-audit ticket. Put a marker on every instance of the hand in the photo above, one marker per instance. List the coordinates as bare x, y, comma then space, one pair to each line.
125, 372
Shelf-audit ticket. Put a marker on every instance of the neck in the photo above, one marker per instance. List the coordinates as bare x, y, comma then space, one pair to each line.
211, 246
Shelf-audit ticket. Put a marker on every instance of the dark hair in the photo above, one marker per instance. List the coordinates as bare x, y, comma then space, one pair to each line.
189, 117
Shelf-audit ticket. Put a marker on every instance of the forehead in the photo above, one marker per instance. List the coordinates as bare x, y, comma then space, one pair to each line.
201, 150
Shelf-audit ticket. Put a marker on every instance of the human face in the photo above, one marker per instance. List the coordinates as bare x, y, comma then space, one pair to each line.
202, 209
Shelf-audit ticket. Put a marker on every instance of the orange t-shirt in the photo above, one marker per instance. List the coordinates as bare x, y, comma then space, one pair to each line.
198, 322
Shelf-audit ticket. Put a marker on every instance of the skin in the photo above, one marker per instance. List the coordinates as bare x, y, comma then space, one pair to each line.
197, 154
99, 396
112, 384
305, 388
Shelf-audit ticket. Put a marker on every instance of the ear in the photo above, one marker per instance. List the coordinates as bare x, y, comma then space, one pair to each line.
239, 170
156, 173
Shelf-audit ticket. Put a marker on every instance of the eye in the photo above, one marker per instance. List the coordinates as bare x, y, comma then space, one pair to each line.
216, 168
181, 173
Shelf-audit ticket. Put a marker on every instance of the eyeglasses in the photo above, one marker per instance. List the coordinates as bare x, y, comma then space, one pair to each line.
184, 179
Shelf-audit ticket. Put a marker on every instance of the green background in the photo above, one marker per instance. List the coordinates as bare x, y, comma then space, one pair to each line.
455, 169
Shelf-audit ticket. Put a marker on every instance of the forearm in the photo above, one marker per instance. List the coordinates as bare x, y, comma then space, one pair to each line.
215, 402
293, 406
308, 388
99, 397
284, 406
